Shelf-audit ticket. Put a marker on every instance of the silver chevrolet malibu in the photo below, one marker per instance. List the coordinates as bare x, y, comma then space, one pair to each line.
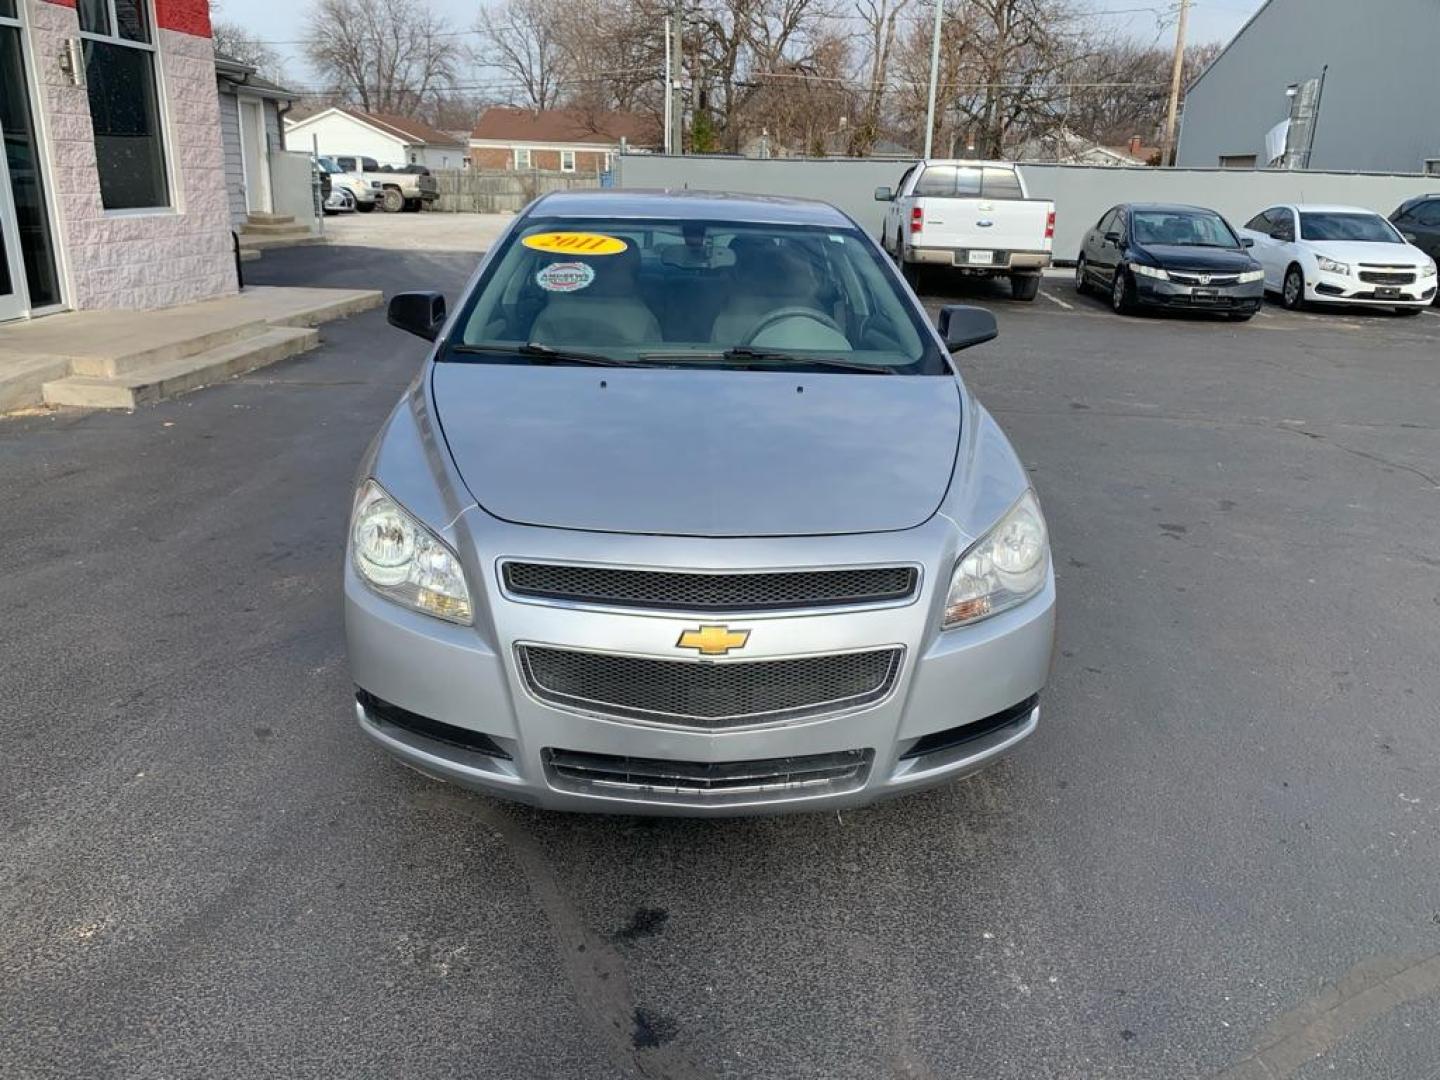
689, 511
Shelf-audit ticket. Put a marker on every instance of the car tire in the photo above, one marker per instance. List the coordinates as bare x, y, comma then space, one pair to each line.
1081, 285
1408, 312
1122, 293
392, 201
412, 206
365, 207
1292, 291
1024, 286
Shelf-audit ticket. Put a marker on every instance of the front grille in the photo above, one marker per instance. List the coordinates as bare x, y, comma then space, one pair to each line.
814, 774
675, 590
708, 694
1378, 277
1216, 280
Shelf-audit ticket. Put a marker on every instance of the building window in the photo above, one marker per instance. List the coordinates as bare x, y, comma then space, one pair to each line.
1237, 161
567, 160
522, 157
124, 103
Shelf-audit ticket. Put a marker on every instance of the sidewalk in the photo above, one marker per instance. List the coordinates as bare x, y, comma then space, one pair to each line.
121, 359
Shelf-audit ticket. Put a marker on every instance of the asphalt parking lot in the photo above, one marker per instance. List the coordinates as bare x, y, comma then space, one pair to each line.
1217, 858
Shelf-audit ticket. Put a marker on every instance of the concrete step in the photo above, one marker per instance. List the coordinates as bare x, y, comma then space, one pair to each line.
261, 242
167, 378
273, 228
274, 219
188, 341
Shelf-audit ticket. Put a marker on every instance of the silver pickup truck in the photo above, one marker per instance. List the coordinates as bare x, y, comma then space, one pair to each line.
396, 189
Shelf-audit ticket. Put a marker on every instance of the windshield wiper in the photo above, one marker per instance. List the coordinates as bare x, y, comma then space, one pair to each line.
771, 356
540, 353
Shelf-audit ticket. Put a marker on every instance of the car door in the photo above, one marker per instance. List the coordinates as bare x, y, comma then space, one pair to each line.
1090, 249
894, 214
1425, 225
1262, 229
1107, 250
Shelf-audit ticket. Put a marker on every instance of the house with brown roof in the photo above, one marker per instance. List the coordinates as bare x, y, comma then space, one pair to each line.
560, 140
389, 139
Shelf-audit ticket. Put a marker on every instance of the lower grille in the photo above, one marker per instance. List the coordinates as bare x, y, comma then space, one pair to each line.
950, 738
708, 694
381, 712
1376, 277
607, 773
677, 590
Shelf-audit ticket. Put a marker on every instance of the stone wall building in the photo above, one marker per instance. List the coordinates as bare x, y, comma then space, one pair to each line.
113, 187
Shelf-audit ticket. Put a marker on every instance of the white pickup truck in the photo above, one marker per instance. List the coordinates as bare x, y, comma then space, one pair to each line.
973, 216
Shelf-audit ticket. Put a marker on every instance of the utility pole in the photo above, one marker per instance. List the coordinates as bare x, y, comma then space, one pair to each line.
674, 93
669, 91
1167, 145
934, 78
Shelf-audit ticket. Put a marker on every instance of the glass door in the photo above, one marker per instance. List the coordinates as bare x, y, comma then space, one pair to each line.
29, 278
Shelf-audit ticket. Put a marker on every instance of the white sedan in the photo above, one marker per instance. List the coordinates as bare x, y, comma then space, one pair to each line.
1339, 255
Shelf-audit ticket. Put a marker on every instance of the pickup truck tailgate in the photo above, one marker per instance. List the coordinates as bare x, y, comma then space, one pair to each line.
995, 225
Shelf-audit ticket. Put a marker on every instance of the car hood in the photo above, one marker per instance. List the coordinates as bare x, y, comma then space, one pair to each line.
1209, 260
699, 453
1360, 251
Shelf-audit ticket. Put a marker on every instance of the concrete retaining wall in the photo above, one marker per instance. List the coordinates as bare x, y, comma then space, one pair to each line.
480, 191
1081, 192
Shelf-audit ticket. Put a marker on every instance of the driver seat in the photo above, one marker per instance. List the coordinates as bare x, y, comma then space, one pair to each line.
768, 277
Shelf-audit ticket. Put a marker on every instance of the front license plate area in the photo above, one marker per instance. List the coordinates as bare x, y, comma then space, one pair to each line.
1205, 294
981, 258
1387, 293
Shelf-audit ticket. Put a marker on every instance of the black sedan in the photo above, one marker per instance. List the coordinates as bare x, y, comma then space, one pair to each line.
1418, 220
1178, 257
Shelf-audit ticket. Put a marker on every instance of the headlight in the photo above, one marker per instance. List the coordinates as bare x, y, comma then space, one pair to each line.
1428, 271
404, 561
1003, 568
1330, 266
1150, 271
1251, 276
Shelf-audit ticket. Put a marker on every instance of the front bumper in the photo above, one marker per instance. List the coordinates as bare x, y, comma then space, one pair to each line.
1239, 299
1328, 288
961, 698
1002, 262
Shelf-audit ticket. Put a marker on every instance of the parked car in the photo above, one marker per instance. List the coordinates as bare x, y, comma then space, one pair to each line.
1340, 255
1184, 258
973, 216
365, 193
406, 188
339, 201
689, 511
1418, 221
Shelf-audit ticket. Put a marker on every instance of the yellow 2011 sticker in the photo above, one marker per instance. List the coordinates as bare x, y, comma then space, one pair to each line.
575, 243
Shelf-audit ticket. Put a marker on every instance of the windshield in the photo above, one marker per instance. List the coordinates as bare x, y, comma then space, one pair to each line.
1182, 229
693, 294
1364, 227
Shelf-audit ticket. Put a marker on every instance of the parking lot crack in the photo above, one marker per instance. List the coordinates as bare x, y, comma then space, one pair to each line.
1377, 458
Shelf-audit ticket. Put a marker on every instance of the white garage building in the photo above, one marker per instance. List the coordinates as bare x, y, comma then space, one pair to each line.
390, 140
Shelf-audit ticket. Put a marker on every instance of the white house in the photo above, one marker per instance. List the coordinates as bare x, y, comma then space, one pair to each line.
390, 140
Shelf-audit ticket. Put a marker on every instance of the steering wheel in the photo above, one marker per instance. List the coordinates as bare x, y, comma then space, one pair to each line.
785, 313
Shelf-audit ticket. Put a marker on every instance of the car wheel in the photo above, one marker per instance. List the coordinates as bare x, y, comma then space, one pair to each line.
412, 206
393, 201
1081, 285
365, 207
1024, 286
1292, 294
1122, 293
1408, 311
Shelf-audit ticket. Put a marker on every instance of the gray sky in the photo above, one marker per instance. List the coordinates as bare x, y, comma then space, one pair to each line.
1145, 20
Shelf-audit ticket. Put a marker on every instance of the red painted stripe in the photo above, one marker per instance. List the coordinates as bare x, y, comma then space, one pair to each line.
62, 3
186, 16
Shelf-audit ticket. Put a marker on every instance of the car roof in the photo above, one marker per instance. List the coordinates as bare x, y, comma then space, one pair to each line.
688, 205
1168, 208
1330, 208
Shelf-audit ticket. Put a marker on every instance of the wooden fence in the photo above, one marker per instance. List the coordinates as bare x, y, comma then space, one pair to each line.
479, 191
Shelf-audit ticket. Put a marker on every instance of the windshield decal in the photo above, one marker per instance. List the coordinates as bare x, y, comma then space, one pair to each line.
575, 243
565, 276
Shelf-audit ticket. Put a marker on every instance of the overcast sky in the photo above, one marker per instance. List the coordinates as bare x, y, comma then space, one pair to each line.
1145, 20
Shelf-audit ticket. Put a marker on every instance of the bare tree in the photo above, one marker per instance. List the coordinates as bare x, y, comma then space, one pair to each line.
525, 41
388, 56
235, 41
881, 19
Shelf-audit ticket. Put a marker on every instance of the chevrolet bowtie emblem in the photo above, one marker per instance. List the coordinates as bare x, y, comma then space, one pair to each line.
713, 640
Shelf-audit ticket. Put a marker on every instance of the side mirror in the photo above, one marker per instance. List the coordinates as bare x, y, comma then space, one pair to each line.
418, 313
1409, 237
962, 326
884, 194
1247, 241
1112, 237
